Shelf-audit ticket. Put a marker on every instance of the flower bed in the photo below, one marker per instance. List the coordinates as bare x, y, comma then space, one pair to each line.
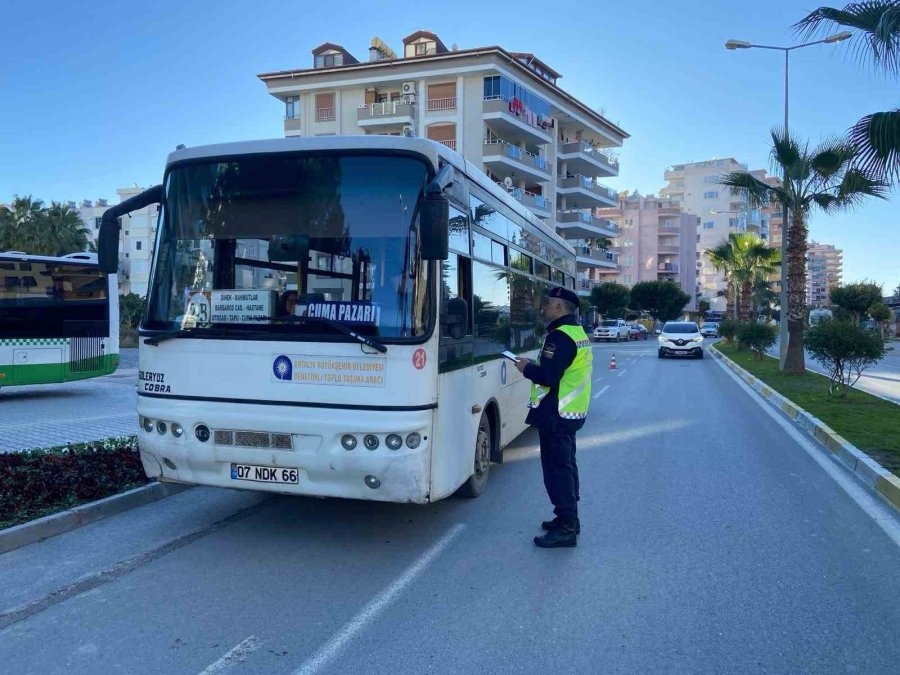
36, 483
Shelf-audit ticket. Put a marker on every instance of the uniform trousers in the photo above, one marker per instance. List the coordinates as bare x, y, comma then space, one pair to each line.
560, 469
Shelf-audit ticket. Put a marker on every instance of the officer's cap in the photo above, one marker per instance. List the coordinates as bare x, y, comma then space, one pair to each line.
564, 294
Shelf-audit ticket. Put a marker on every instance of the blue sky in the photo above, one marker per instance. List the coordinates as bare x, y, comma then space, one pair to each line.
96, 94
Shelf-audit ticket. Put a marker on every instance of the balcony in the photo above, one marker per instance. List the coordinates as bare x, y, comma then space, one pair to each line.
504, 159
325, 114
439, 104
583, 225
523, 125
667, 268
292, 126
387, 114
450, 144
538, 204
582, 158
588, 192
592, 257
668, 249
584, 286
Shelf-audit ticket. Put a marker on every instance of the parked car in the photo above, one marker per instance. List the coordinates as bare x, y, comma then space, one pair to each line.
611, 330
710, 330
680, 338
637, 332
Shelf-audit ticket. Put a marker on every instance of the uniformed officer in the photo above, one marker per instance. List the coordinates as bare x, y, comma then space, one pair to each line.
560, 394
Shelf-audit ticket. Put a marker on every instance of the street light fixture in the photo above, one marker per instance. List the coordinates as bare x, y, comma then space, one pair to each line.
785, 220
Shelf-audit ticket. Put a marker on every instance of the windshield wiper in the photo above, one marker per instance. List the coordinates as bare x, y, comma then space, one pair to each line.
181, 332
340, 328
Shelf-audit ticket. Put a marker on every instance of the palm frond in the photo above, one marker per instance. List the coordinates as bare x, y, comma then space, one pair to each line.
878, 21
789, 155
831, 157
748, 185
876, 140
856, 186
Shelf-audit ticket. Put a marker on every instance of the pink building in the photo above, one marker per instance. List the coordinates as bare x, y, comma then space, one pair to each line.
656, 241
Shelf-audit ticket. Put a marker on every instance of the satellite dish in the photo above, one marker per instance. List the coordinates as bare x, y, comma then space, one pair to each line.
508, 183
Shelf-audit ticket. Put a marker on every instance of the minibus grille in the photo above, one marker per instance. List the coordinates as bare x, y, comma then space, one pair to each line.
253, 439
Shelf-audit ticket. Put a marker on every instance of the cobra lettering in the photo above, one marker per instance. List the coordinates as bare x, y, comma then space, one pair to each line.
154, 382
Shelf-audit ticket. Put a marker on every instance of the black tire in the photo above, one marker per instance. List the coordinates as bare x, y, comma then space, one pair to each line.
484, 442
700, 355
660, 355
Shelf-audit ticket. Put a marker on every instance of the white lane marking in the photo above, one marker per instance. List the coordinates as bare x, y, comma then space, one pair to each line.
622, 372
878, 512
597, 381
375, 606
233, 656
597, 395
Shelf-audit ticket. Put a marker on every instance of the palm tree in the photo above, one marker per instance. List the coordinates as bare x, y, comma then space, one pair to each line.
753, 260
764, 296
823, 177
19, 229
63, 231
722, 258
875, 137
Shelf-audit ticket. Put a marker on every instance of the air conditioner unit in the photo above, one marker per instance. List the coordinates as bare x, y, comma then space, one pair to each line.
508, 183
408, 88
408, 131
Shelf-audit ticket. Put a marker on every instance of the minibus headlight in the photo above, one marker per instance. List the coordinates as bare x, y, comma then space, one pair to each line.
161, 427
413, 440
348, 441
177, 430
148, 425
370, 441
202, 433
393, 441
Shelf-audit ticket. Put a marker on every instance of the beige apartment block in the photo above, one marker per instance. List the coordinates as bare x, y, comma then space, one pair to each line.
824, 271
501, 110
657, 240
696, 187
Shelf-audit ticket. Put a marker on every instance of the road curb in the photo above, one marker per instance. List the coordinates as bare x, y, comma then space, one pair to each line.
866, 469
71, 519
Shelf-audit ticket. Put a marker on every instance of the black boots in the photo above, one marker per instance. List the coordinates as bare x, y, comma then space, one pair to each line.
562, 534
552, 524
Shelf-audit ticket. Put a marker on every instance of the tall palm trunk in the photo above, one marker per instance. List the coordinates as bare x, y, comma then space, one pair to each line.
794, 361
746, 300
730, 299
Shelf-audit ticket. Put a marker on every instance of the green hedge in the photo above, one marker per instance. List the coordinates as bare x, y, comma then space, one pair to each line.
36, 483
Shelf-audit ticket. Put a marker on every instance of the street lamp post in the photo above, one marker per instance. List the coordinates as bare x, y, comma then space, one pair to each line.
786, 216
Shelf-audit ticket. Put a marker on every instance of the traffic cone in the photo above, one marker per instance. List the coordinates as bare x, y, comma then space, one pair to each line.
612, 362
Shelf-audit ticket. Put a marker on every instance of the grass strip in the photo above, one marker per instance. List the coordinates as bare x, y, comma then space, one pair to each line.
39, 482
868, 422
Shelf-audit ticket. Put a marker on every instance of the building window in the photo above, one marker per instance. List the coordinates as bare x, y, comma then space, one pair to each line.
137, 246
325, 111
422, 49
708, 225
292, 108
627, 242
628, 261
327, 60
711, 179
442, 96
698, 238
97, 223
713, 194
628, 278
442, 133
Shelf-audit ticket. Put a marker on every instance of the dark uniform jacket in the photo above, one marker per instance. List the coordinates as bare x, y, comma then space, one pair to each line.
557, 354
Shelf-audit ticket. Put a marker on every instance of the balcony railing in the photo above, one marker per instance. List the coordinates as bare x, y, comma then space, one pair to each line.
588, 219
667, 267
442, 103
498, 104
586, 183
589, 150
497, 146
324, 114
596, 253
528, 199
384, 109
449, 144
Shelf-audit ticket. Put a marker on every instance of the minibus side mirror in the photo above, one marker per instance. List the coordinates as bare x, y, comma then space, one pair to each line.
108, 246
434, 218
456, 318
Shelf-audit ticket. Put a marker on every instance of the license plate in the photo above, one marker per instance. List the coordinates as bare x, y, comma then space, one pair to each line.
265, 474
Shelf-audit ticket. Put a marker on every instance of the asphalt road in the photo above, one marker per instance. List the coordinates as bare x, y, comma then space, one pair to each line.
47, 415
712, 541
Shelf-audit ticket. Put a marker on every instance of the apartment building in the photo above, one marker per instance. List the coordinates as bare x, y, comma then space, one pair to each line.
824, 270
696, 187
136, 238
503, 111
657, 240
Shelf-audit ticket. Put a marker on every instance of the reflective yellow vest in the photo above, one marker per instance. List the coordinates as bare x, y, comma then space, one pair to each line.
575, 385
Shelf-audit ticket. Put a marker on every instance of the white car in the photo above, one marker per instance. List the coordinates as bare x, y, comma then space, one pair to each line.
710, 330
612, 330
680, 338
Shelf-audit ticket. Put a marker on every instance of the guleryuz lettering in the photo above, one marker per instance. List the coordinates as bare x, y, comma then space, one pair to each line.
153, 382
